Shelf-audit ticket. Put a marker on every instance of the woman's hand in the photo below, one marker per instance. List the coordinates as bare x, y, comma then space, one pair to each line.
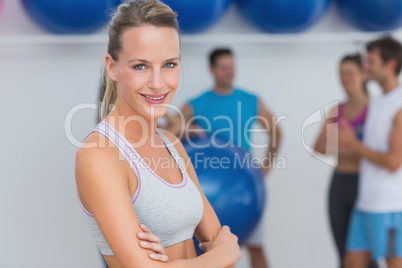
152, 242
347, 135
227, 243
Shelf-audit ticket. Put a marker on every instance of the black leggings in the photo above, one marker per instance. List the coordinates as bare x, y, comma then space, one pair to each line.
342, 197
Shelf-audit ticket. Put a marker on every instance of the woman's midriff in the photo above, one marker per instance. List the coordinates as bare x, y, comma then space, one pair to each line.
182, 250
349, 164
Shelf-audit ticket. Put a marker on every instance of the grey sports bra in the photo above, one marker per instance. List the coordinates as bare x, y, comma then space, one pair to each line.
171, 211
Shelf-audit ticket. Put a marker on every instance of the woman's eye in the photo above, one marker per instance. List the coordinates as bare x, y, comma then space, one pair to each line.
139, 67
170, 65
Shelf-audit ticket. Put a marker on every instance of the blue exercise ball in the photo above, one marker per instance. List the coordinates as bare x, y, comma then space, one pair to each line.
70, 16
283, 16
195, 15
372, 15
232, 183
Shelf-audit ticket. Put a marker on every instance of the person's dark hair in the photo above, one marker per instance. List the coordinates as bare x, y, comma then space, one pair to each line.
219, 52
356, 59
131, 13
389, 48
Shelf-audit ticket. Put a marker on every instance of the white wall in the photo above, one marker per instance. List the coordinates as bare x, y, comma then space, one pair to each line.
41, 223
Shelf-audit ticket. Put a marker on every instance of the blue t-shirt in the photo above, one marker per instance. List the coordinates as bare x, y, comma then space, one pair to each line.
229, 117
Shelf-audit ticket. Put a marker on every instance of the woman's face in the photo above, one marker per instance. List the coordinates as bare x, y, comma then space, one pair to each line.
352, 77
147, 71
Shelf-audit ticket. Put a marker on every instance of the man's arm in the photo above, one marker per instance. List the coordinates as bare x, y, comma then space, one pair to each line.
267, 120
390, 160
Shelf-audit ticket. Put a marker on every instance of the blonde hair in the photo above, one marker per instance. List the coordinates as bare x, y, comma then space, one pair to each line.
133, 13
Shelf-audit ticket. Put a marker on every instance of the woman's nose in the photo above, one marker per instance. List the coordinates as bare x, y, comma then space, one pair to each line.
156, 81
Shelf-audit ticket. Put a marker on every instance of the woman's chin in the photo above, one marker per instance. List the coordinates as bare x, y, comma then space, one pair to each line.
154, 115
349, 89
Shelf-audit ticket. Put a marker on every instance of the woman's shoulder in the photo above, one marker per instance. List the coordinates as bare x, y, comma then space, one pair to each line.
94, 144
96, 154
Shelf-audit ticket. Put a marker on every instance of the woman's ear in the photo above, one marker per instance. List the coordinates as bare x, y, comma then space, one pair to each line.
110, 67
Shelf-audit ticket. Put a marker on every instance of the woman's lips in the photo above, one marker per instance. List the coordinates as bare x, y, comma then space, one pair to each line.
154, 98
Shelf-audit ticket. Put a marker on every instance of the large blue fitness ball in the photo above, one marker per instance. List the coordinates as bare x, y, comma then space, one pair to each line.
372, 15
197, 15
283, 16
231, 182
70, 16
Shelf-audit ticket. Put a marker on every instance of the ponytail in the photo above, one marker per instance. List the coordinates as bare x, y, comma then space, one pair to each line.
108, 94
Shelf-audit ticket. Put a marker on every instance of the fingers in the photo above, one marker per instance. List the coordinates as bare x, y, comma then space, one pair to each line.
204, 246
144, 228
236, 238
149, 240
225, 228
155, 247
152, 242
159, 257
147, 235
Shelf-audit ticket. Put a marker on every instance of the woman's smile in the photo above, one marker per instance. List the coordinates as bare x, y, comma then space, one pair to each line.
155, 98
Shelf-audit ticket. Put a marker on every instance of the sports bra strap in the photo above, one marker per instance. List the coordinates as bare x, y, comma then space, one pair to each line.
121, 144
172, 150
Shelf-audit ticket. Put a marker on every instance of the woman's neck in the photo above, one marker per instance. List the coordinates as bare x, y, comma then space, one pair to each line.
134, 127
358, 98
389, 84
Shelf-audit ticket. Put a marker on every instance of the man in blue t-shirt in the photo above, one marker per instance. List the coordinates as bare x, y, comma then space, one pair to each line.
229, 113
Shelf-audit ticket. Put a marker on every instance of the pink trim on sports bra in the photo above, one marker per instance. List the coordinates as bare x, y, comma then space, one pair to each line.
355, 120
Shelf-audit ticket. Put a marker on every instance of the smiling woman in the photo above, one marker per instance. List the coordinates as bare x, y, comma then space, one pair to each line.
142, 73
